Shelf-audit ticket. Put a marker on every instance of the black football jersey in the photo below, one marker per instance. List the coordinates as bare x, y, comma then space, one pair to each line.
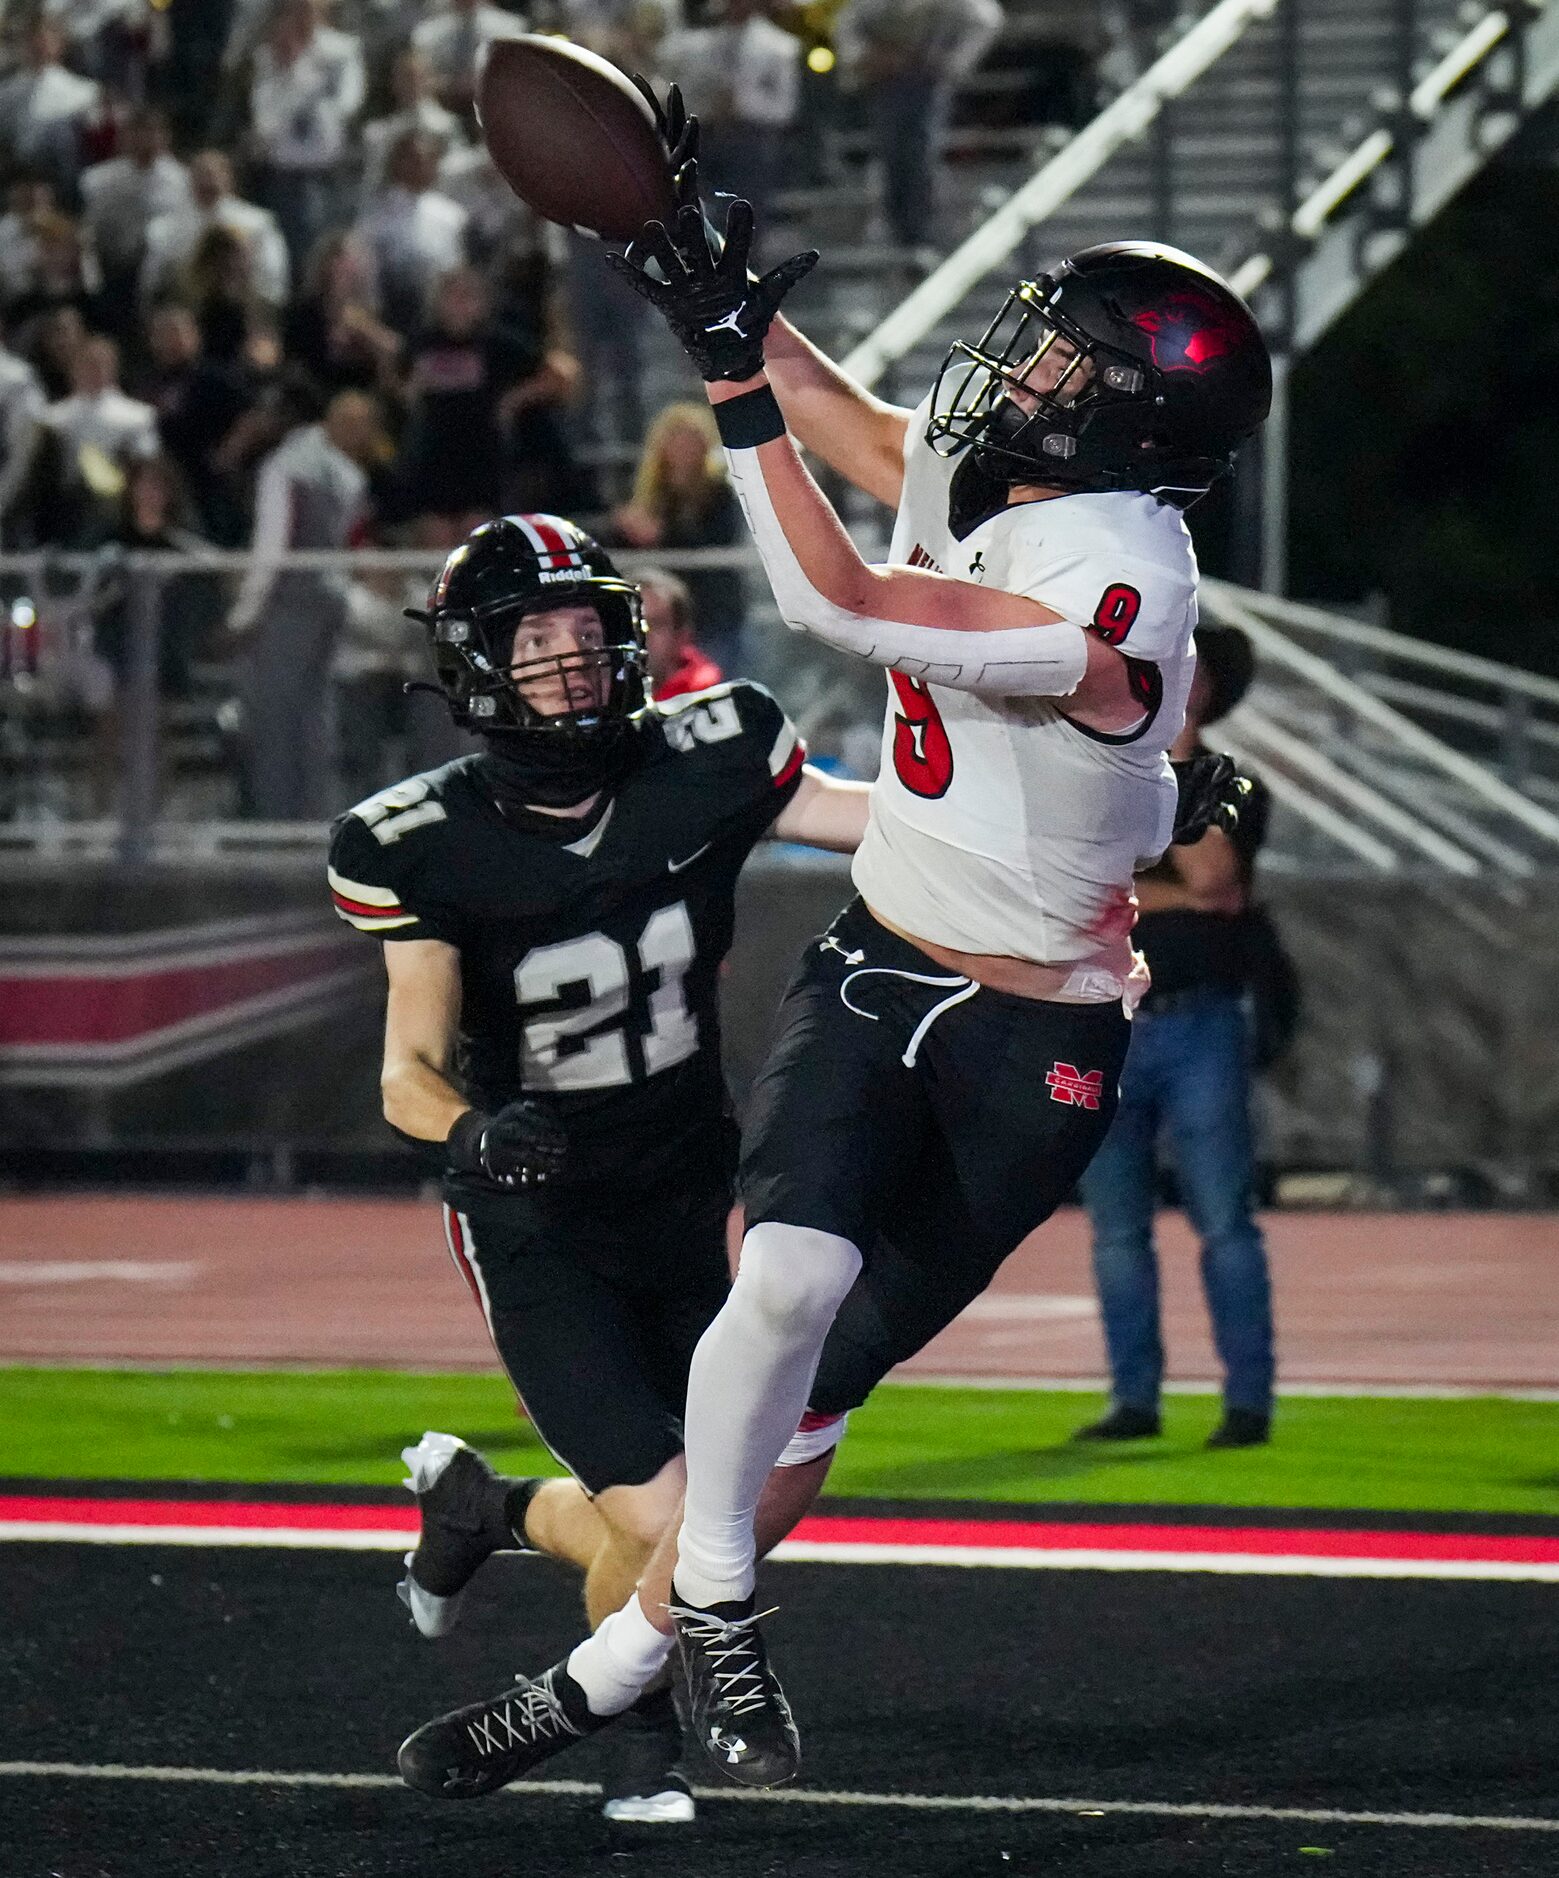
589, 967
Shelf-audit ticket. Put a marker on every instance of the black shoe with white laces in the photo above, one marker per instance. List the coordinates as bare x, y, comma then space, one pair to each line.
478, 1749
468, 1513
739, 1715
643, 1784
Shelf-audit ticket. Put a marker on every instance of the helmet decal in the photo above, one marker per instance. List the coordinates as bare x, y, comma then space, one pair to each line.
558, 544
1187, 333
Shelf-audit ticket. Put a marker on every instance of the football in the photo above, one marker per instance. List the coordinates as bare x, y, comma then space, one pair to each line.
572, 137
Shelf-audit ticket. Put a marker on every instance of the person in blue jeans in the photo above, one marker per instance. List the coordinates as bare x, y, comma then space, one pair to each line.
1186, 1087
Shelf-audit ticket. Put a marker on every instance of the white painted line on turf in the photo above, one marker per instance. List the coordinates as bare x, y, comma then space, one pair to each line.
1090, 1559
801, 1796
1345, 1391
98, 1271
841, 1552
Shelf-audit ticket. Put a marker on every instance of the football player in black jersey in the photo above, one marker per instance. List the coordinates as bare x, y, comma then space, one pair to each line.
555, 911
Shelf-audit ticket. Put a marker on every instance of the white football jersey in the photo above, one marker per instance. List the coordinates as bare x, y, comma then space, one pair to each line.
998, 825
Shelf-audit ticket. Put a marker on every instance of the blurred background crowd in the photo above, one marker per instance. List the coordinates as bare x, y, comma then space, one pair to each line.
261, 289
227, 219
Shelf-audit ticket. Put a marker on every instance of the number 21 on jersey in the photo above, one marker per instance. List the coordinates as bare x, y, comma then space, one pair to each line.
922, 755
587, 1046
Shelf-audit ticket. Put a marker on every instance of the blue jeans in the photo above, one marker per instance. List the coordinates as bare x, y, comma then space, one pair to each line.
1186, 1080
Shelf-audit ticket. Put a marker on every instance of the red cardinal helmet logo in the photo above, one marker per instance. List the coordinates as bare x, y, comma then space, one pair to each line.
1187, 333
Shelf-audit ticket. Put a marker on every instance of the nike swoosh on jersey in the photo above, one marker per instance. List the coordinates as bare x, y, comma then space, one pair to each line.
676, 867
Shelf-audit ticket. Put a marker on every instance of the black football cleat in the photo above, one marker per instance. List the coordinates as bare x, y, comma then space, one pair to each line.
1123, 1423
737, 1709
478, 1749
464, 1506
1241, 1428
643, 1784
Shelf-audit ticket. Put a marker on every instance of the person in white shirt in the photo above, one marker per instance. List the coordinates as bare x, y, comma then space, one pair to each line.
22, 408
26, 201
44, 108
98, 427
414, 233
631, 33
312, 492
453, 42
306, 92
125, 195
500, 223
416, 108
742, 77
171, 238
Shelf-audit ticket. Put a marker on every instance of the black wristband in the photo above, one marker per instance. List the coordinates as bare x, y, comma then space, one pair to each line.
751, 419
464, 1141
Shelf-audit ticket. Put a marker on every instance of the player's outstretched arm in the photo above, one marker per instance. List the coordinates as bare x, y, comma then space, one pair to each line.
927, 625
825, 812
420, 1026
858, 435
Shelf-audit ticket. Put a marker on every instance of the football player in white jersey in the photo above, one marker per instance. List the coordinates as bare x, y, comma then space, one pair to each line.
948, 1054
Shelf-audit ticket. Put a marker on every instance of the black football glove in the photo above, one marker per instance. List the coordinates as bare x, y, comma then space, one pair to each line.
521, 1146
1211, 793
717, 311
678, 131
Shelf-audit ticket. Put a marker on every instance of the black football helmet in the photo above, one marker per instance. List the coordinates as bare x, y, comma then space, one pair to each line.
1167, 372
505, 570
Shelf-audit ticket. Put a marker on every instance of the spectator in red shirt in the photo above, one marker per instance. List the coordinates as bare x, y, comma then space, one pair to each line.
676, 663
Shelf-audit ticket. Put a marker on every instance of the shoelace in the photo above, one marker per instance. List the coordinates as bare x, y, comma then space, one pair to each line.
735, 1644
533, 1713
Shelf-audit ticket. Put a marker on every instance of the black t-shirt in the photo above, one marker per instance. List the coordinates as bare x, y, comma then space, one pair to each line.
1187, 950
589, 970
197, 405
453, 444
306, 341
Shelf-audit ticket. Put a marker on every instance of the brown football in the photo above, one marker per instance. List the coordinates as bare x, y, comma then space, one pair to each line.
572, 137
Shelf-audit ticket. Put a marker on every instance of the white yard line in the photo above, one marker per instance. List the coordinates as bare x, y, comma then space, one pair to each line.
793, 1796
1099, 1385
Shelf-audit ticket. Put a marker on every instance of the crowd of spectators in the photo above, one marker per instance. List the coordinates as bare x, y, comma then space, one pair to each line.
259, 200
262, 288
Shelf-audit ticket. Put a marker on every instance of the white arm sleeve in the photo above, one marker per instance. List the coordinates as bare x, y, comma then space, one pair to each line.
1043, 661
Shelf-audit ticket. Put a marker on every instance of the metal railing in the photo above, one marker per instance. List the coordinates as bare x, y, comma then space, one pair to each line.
1081, 158
1403, 752
1383, 754
97, 758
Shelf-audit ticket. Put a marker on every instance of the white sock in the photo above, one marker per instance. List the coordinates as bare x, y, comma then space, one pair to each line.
747, 1389
616, 1665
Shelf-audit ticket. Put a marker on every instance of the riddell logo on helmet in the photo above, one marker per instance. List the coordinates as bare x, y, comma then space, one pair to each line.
1187, 334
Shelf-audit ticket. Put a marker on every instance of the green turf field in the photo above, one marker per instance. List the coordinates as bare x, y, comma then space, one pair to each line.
347, 1427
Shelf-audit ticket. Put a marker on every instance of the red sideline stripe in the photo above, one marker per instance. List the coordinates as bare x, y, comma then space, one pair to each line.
283, 1514
1273, 1541
1030, 1535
